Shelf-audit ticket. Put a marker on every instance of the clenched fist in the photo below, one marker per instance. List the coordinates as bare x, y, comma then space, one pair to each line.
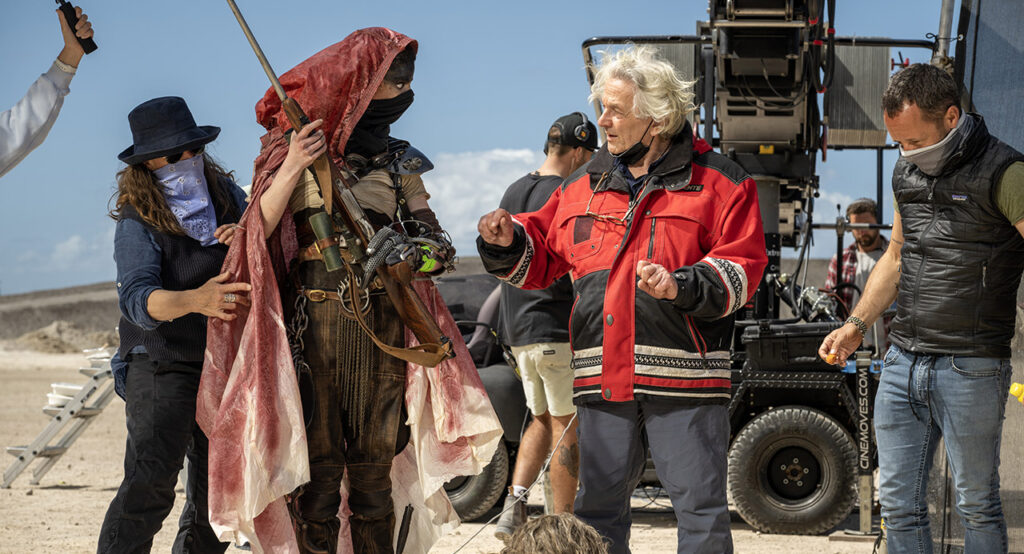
655, 280
496, 228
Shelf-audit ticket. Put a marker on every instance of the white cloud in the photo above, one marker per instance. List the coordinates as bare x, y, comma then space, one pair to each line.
78, 253
825, 205
464, 186
77, 259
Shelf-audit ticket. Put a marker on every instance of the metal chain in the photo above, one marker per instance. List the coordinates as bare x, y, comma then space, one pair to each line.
296, 328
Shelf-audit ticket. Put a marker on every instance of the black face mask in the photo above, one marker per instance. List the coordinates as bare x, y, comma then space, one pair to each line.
635, 153
370, 135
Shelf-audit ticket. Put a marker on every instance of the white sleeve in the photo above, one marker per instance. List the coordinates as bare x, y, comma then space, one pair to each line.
25, 126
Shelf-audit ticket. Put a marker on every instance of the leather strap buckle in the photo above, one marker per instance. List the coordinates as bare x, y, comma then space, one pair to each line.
315, 295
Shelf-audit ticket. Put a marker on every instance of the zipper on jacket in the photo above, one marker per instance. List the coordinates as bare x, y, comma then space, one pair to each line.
984, 273
650, 246
924, 257
629, 224
571, 312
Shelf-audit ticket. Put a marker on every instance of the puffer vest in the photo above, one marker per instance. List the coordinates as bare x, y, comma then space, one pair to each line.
962, 259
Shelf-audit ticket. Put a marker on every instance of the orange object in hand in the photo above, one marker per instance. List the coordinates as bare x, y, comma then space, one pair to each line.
831, 358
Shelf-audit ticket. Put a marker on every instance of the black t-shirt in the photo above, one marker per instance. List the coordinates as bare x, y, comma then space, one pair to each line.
532, 316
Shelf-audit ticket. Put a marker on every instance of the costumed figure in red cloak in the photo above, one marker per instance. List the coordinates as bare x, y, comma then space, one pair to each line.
362, 407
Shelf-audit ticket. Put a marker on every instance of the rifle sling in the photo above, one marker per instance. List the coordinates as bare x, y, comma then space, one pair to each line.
426, 355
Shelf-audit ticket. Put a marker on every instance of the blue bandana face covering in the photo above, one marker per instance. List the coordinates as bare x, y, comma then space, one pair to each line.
184, 188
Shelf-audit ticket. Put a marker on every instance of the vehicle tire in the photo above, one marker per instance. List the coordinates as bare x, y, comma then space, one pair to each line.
474, 495
793, 470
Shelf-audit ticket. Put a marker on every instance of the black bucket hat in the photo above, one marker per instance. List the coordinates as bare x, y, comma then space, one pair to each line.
164, 126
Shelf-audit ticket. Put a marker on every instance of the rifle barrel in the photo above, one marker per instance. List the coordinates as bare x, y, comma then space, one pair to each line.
259, 51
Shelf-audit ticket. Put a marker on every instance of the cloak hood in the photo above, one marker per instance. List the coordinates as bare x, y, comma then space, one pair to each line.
336, 85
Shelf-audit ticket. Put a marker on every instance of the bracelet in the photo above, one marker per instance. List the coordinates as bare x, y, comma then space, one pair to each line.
66, 68
859, 323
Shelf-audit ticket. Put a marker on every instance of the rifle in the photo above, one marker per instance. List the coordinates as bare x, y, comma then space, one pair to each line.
357, 236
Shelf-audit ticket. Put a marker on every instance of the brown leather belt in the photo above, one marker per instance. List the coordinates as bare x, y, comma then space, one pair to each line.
312, 251
317, 295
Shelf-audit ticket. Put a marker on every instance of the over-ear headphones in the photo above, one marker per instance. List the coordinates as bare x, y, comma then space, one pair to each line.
582, 131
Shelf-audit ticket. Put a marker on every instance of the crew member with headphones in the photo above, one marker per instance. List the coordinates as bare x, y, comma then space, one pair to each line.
535, 324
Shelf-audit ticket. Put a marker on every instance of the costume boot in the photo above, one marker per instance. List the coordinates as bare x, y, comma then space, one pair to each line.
373, 512
313, 536
372, 536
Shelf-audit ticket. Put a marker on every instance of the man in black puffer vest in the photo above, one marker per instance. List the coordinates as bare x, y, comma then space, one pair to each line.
954, 271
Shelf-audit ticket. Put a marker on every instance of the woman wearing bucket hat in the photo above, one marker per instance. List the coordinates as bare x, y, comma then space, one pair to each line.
176, 213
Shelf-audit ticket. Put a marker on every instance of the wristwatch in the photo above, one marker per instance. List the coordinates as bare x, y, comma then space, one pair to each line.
859, 323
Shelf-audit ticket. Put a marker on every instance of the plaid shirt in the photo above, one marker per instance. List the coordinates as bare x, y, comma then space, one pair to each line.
850, 276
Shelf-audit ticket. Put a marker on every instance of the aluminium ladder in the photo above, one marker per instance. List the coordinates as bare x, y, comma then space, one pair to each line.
76, 415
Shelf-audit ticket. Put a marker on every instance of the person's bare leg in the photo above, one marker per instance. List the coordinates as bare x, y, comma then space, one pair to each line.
533, 449
565, 463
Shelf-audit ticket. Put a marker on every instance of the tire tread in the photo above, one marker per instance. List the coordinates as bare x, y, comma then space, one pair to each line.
776, 423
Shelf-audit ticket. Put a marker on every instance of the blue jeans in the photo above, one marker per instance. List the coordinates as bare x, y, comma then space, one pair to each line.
960, 399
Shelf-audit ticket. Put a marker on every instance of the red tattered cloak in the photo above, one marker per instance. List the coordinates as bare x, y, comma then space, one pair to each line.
248, 402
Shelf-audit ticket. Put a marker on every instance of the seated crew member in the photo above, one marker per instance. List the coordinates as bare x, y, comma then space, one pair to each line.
555, 534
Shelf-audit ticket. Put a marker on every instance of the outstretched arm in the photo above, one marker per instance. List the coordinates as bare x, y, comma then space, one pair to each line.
516, 249
24, 127
879, 293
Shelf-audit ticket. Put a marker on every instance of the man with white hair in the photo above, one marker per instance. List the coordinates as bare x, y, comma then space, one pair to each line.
663, 240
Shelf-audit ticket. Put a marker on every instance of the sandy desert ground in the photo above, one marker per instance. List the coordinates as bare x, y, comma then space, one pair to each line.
64, 512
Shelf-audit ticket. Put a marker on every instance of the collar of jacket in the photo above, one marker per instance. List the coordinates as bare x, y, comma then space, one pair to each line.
973, 138
672, 173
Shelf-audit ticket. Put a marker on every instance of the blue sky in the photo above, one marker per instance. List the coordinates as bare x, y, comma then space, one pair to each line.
490, 79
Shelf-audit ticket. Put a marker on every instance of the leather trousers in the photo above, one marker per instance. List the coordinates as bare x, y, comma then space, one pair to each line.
357, 421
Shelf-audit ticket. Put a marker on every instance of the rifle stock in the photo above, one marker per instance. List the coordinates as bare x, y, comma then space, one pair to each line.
408, 303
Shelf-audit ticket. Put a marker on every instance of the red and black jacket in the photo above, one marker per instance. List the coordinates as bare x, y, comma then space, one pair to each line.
696, 214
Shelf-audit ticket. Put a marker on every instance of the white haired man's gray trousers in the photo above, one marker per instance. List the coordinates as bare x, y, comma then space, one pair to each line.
688, 445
